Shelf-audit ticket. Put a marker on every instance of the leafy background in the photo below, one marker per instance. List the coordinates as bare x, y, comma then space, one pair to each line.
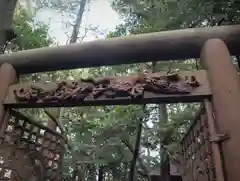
114, 143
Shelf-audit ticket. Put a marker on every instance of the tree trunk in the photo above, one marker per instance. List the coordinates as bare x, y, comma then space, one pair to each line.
92, 172
78, 22
2, 41
148, 154
141, 163
7, 8
163, 118
136, 151
100, 173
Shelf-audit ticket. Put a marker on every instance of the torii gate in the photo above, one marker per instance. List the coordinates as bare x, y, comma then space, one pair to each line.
218, 85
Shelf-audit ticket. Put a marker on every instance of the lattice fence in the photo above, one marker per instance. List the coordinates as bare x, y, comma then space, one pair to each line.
29, 150
197, 160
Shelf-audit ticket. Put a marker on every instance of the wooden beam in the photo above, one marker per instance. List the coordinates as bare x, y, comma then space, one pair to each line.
65, 96
170, 45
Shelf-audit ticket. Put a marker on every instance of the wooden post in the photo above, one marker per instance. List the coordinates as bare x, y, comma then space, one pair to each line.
7, 77
225, 85
215, 146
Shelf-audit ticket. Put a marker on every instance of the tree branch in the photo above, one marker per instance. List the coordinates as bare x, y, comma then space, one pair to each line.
136, 151
100, 173
145, 169
69, 145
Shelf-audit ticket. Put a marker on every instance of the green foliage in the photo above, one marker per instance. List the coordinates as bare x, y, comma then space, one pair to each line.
161, 15
29, 34
98, 133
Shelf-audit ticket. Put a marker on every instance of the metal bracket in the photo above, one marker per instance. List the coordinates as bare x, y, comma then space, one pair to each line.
219, 137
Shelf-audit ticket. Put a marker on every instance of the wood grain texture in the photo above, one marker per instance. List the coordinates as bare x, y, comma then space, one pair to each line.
197, 94
159, 46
